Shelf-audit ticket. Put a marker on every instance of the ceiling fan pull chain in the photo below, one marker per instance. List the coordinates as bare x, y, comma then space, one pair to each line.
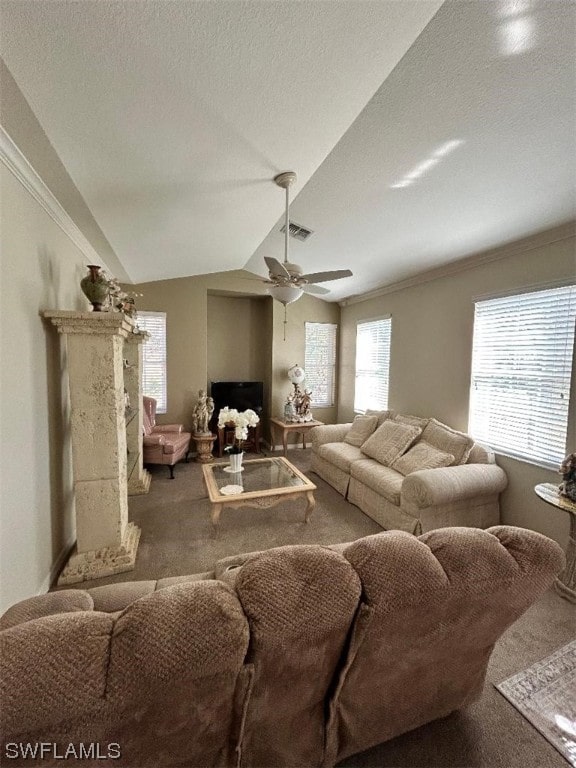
285, 322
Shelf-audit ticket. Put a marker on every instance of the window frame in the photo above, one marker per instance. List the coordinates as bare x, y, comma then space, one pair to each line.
332, 362
387, 360
162, 401
561, 369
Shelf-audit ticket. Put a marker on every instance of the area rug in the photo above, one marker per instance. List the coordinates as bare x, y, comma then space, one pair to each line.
545, 694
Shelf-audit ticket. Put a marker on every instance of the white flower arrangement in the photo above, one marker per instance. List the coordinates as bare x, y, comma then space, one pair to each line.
241, 420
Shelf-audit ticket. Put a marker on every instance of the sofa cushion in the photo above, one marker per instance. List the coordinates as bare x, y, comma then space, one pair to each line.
422, 456
415, 421
340, 454
382, 415
448, 440
390, 441
361, 429
384, 480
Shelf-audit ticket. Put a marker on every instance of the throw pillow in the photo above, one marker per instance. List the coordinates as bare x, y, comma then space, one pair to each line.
361, 429
448, 440
390, 441
382, 415
415, 421
422, 456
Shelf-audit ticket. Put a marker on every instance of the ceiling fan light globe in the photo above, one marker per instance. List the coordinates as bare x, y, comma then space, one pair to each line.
285, 294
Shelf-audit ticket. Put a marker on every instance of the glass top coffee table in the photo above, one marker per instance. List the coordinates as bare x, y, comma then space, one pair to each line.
262, 483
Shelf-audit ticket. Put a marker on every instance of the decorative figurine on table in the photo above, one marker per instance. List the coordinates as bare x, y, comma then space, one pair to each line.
568, 471
297, 408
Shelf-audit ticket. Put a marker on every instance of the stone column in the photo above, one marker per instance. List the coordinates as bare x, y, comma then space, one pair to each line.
138, 477
106, 541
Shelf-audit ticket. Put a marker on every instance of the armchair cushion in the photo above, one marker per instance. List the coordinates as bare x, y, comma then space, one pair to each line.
176, 442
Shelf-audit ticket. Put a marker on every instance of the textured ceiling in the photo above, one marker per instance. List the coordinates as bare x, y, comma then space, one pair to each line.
172, 118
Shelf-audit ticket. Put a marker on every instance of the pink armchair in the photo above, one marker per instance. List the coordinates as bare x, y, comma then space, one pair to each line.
165, 443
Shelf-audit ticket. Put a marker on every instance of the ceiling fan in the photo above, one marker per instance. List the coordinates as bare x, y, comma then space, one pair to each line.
286, 281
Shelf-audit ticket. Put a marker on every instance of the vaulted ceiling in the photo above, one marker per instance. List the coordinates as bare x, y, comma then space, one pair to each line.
421, 132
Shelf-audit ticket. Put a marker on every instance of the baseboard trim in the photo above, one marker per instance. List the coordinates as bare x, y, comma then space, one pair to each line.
57, 566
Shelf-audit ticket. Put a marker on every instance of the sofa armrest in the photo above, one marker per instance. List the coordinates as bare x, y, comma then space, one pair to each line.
150, 440
160, 429
328, 433
431, 487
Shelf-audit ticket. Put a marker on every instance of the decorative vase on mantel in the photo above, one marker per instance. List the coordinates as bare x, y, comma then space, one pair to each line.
95, 287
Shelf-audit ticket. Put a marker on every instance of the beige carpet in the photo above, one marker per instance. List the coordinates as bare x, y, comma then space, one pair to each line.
177, 538
545, 694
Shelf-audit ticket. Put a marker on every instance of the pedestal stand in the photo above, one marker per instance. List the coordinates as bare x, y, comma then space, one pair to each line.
106, 541
138, 477
204, 443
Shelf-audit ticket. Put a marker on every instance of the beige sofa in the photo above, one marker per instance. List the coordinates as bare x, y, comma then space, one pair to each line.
308, 654
420, 500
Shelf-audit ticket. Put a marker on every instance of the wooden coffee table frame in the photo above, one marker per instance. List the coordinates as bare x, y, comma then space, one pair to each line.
264, 499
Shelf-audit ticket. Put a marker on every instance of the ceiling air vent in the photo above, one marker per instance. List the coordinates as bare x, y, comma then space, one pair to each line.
298, 231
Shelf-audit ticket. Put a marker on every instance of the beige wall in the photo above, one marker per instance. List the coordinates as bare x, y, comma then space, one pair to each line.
286, 353
431, 349
186, 302
41, 269
236, 339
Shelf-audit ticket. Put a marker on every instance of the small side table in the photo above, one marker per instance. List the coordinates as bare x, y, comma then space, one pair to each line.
566, 582
293, 426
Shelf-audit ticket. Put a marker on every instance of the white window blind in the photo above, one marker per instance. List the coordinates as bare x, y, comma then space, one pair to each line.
372, 364
320, 363
521, 368
154, 357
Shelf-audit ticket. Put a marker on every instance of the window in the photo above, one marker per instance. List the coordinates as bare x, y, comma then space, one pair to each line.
372, 364
154, 357
320, 363
521, 366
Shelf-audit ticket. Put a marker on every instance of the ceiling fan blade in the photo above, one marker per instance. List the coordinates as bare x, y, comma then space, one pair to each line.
317, 289
275, 267
323, 277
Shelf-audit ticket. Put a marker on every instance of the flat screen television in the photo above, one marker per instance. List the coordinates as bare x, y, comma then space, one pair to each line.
238, 394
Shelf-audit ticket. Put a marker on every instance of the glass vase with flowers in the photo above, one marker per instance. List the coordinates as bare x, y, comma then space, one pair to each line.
240, 421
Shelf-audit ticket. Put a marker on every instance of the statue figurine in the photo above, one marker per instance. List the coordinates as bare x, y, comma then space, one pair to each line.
202, 412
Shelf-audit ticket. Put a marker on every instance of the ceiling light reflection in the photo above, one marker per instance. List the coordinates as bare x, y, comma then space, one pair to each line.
517, 36
436, 157
510, 8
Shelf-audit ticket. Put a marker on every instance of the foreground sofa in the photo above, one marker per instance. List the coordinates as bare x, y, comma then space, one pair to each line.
306, 655
381, 474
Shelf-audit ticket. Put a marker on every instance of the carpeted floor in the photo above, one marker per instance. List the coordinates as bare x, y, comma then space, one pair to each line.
178, 538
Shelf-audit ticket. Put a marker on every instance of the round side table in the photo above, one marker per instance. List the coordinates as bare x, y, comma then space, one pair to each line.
566, 582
